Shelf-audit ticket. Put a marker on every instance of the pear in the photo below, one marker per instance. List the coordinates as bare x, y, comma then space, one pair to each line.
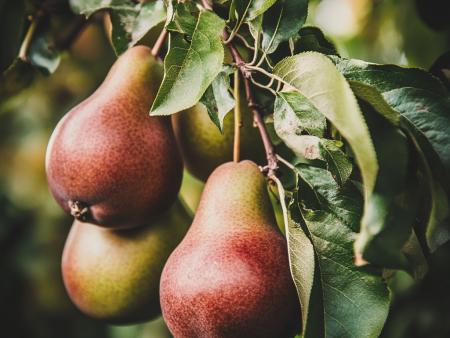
230, 276
108, 162
113, 275
204, 148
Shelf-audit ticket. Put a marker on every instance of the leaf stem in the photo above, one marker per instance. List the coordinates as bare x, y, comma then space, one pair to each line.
237, 118
244, 42
159, 42
30, 33
255, 50
287, 163
265, 73
266, 86
261, 60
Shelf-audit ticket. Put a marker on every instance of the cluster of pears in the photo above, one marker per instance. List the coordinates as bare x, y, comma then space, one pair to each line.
131, 252
118, 172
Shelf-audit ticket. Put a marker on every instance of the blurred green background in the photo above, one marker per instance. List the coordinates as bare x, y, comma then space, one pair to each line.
33, 301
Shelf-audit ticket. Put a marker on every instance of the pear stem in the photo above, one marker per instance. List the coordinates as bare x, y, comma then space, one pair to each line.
287, 163
159, 42
237, 118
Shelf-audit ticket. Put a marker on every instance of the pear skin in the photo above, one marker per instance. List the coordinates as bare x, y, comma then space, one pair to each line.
204, 148
230, 276
113, 275
108, 162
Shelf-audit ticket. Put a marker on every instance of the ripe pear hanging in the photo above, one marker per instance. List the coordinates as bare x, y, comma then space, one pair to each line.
204, 148
113, 275
108, 162
230, 276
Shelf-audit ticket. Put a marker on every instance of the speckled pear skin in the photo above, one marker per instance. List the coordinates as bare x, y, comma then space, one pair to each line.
110, 155
204, 148
230, 276
113, 275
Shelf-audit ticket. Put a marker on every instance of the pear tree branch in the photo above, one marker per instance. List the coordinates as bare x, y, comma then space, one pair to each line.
257, 116
253, 102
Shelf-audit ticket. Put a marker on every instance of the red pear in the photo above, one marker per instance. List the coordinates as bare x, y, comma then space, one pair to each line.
108, 162
230, 276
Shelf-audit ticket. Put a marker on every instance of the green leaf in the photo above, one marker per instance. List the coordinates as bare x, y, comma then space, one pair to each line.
338, 163
255, 27
318, 80
414, 254
88, 7
16, 78
391, 209
122, 21
421, 104
313, 147
311, 39
285, 19
181, 19
441, 69
294, 113
317, 190
301, 256
130, 21
246, 10
302, 262
346, 301
416, 94
434, 209
217, 99
190, 67
150, 15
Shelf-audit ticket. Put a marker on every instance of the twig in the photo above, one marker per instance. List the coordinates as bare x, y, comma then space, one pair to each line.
252, 101
239, 61
257, 116
26, 42
237, 119
159, 42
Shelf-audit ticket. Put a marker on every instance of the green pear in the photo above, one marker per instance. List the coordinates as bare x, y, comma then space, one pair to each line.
204, 148
108, 162
113, 275
230, 276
